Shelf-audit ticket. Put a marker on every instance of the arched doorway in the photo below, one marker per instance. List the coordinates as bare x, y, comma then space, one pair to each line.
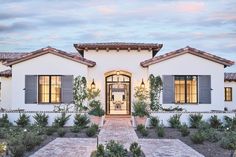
118, 93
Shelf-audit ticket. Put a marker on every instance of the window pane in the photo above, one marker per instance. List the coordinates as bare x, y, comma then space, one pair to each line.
186, 89
55, 89
179, 89
228, 94
191, 89
44, 89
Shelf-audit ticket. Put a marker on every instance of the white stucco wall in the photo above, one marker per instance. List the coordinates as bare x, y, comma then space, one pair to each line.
2, 68
231, 105
113, 60
6, 92
188, 64
47, 64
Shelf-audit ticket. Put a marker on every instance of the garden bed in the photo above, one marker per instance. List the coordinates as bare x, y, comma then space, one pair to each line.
48, 138
208, 149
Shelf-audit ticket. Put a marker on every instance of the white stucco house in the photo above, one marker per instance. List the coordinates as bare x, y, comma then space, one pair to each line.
192, 79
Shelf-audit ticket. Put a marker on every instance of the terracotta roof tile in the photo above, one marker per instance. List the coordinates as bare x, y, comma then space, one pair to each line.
230, 77
118, 45
5, 73
190, 50
11, 55
71, 56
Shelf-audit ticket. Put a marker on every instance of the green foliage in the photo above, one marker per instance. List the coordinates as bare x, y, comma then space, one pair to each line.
61, 132
230, 123
92, 94
229, 141
3, 133
30, 140
4, 122
177, 108
135, 149
79, 92
154, 121
204, 126
100, 152
17, 150
175, 121
184, 130
20, 140
91, 131
140, 127
140, 109
195, 120
215, 122
23, 120
198, 137
140, 94
96, 108
41, 119
75, 129
160, 130
155, 85
144, 132
213, 135
114, 149
50, 130
61, 121
81, 120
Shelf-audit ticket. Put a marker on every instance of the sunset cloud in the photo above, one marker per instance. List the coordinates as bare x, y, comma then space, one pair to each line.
208, 25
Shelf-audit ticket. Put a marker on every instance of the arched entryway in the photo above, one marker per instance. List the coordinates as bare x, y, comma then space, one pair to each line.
118, 92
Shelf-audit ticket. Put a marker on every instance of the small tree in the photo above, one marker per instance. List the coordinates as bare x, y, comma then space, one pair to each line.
79, 92
140, 93
155, 85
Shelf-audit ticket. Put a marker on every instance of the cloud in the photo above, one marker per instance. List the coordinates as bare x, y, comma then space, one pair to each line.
18, 26
190, 7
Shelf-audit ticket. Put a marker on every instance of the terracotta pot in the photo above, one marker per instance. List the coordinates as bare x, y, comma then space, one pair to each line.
95, 119
140, 120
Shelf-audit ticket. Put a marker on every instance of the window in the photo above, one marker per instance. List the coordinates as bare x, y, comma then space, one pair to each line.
186, 89
49, 89
228, 93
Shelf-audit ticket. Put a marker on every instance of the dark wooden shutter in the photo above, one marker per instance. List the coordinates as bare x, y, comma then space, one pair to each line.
31, 84
204, 89
168, 89
67, 89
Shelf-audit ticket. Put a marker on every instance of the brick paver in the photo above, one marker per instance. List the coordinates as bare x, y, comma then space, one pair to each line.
167, 148
67, 147
118, 129
121, 130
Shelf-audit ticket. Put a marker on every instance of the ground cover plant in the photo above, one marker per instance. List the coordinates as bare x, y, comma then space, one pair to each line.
24, 139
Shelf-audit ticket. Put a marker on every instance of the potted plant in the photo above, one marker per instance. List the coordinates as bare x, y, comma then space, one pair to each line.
140, 112
96, 112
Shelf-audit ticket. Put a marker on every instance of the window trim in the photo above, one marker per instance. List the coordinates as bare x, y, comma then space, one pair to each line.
231, 94
185, 90
49, 90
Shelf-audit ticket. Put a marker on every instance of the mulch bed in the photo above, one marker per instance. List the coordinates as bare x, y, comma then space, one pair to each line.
208, 149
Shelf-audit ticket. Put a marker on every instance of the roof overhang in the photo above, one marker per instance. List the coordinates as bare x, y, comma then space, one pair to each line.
80, 47
54, 51
185, 50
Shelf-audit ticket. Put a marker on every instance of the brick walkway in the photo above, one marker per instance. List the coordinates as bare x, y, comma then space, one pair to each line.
167, 147
68, 147
118, 129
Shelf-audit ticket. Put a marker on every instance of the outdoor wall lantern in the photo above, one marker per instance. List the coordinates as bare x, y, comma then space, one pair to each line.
93, 86
118, 73
142, 84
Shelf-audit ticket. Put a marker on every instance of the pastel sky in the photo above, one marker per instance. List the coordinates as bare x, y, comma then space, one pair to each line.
209, 25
